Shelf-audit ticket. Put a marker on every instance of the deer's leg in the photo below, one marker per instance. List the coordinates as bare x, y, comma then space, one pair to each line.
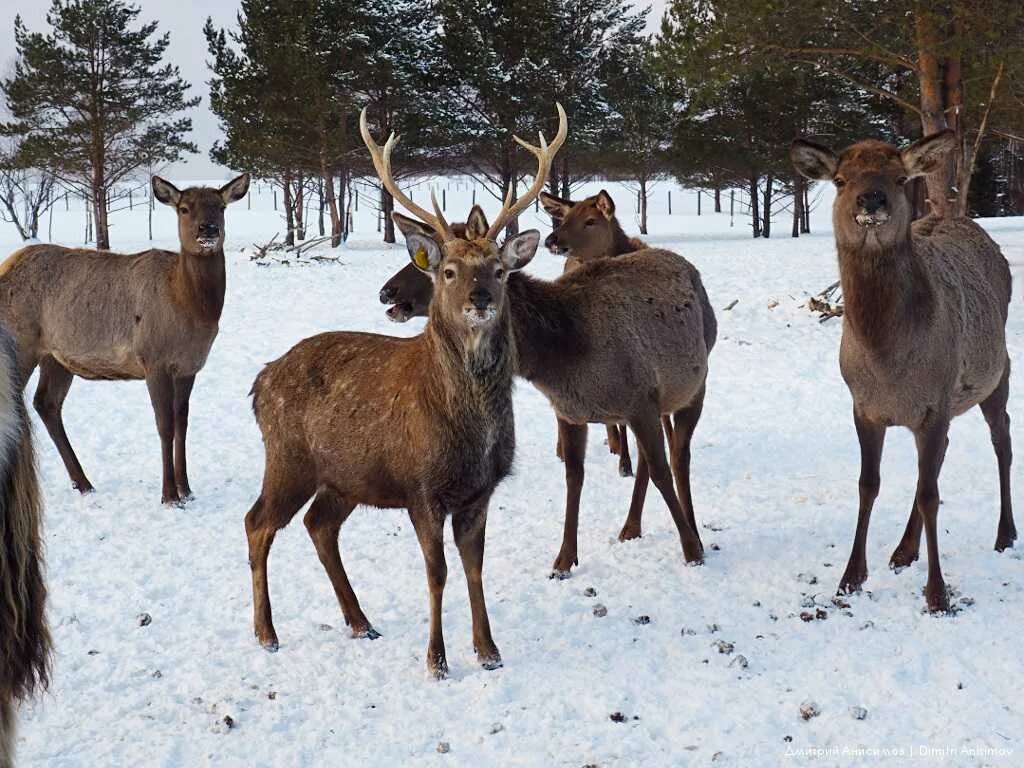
54, 383
182, 393
994, 408
574, 448
931, 448
280, 499
625, 462
323, 521
651, 441
631, 529
872, 438
612, 439
161, 394
429, 524
909, 548
469, 528
680, 438
666, 424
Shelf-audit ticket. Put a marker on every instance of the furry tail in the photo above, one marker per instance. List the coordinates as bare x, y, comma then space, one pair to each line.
24, 638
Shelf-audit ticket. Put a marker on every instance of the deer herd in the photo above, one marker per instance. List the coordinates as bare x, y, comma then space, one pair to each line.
622, 338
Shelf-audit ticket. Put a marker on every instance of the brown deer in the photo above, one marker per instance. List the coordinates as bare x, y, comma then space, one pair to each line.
588, 230
422, 423
24, 638
615, 341
923, 332
100, 315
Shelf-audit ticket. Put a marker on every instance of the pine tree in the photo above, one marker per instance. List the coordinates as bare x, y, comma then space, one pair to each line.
92, 99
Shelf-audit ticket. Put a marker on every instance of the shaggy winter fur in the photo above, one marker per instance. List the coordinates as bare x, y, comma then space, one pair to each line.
923, 331
24, 637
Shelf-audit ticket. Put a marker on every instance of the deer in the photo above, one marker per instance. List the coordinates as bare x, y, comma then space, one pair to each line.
25, 643
584, 231
101, 315
423, 423
614, 341
923, 336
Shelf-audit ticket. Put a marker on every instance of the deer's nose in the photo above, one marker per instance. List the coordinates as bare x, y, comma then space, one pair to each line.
480, 298
551, 241
209, 230
871, 201
387, 293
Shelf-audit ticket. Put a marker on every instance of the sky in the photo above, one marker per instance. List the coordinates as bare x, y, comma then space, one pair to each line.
184, 19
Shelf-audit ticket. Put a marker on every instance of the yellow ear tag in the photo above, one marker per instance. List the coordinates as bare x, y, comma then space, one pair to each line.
421, 258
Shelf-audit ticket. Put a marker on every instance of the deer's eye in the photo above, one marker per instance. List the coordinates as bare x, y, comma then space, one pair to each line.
183, 209
590, 222
449, 274
499, 273
840, 183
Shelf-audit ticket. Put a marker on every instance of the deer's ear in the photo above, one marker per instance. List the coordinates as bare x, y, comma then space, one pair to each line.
409, 226
517, 251
925, 155
424, 252
555, 206
813, 160
165, 192
235, 189
476, 224
605, 205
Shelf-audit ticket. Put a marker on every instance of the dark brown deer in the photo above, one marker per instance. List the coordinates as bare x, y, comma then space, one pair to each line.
24, 638
923, 332
617, 341
422, 423
100, 315
588, 230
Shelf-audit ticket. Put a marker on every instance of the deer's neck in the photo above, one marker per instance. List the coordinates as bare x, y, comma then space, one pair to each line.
198, 283
473, 369
546, 327
621, 242
886, 295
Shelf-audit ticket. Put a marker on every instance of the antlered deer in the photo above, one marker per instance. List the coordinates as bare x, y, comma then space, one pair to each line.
615, 341
24, 638
923, 332
100, 315
422, 423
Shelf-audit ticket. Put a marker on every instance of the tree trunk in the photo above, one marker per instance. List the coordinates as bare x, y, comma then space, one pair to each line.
766, 214
565, 177
798, 204
320, 206
289, 213
755, 216
933, 115
387, 207
718, 199
805, 224
331, 202
300, 206
643, 204
508, 179
342, 190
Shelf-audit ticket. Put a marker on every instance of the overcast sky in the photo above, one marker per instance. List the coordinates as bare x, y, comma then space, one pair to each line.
184, 19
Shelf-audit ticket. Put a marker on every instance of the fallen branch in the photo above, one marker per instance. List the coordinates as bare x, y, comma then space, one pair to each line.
828, 303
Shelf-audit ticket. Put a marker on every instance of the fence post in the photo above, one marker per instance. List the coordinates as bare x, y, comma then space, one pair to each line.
670, 202
130, 207
357, 200
732, 205
474, 195
698, 202
275, 198
444, 198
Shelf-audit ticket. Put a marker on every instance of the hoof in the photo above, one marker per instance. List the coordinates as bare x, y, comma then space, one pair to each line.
1004, 542
365, 634
938, 601
560, 574
901, 559
437, 669
629, 532
270, 646
184, 497
626, 471
84, 488
852, 581
693, 552
490, 663
563, 564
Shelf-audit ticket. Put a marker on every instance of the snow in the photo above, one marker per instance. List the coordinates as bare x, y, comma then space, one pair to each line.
775, 486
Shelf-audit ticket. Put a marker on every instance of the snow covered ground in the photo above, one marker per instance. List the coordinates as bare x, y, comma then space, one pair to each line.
716, 672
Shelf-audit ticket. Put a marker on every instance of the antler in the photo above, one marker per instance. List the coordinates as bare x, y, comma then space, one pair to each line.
382, 164
545, 153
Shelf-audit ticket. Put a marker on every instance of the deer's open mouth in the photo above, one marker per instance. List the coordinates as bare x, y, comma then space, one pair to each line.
876, 219
208, 243
400, 312
558, 250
